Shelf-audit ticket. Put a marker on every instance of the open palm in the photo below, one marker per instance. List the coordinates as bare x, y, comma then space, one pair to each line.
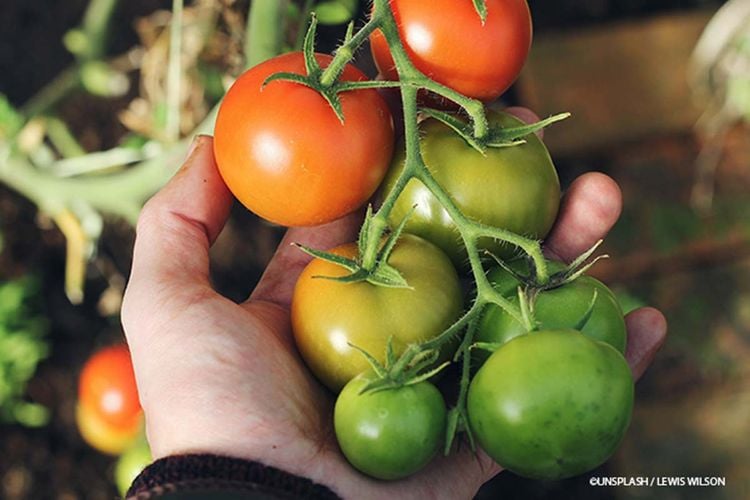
225, 378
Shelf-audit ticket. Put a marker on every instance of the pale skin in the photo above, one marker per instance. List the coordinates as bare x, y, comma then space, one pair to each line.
224, 378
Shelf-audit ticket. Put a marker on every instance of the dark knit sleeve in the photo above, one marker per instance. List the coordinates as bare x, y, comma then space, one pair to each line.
216, 477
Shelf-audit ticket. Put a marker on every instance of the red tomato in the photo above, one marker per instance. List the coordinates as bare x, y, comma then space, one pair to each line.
107, 388
445, 39
284, 153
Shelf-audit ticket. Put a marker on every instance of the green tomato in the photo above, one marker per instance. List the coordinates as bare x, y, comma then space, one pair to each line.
514, 188
389, 434
130, 464
561, 307
329, 317
551, 404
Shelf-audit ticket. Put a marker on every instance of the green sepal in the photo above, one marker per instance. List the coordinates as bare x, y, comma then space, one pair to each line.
388, 276
457, 125
390, 355
426, 375
500, 137
308, 48
346, 263
331, 95
486, 346
378, 368
451, 429
385, 252
587, 315
364, 231
481, 8
290, 77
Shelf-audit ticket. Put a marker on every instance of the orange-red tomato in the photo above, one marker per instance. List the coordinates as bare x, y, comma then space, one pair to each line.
107, 389
285, 154
104, 436
446, 40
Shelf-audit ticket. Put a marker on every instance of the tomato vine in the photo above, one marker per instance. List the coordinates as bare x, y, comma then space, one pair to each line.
371, 264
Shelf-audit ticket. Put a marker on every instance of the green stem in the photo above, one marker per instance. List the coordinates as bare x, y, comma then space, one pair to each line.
408, 73
346, 52
96, 26
174, 66
52, 93
264, 37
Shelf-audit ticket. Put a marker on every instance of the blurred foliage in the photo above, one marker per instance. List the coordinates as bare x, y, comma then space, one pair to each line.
22, 346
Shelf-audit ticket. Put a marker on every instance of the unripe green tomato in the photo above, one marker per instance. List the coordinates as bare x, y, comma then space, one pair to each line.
514, 188
561, 307
130, 464
551, 404
389, 434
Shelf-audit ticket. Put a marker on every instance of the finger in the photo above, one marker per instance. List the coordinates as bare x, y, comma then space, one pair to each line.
588, 211
277, 283
526, 116
175, 230
647, 331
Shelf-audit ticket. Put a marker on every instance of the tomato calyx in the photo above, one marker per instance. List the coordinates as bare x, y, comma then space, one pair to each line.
408, 369
568, 274
326, 81
496, 137
381, 273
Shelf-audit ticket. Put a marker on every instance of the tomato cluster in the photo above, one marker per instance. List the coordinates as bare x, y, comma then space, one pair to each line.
555, 397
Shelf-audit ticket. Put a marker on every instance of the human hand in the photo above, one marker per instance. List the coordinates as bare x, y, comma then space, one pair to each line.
224, 378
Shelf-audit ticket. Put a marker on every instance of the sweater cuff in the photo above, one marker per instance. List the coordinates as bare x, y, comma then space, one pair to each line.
230, 477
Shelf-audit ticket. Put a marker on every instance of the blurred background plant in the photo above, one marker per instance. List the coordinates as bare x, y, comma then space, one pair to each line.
99, 100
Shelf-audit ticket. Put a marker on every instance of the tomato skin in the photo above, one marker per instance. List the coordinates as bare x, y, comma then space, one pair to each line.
103, 435
514, 188
389, 434
445, 40
107, 388
285, 155
551, 404
131, 463
328, 315
561, 307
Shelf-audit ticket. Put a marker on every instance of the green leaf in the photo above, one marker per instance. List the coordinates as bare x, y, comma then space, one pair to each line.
333, 12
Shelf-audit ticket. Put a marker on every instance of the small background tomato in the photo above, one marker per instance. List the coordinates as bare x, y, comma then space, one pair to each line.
551, 404
107, 388
562, 307
103, 435
327, 315
389, 434
514, 188
446, 40
284, 153
133, 460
